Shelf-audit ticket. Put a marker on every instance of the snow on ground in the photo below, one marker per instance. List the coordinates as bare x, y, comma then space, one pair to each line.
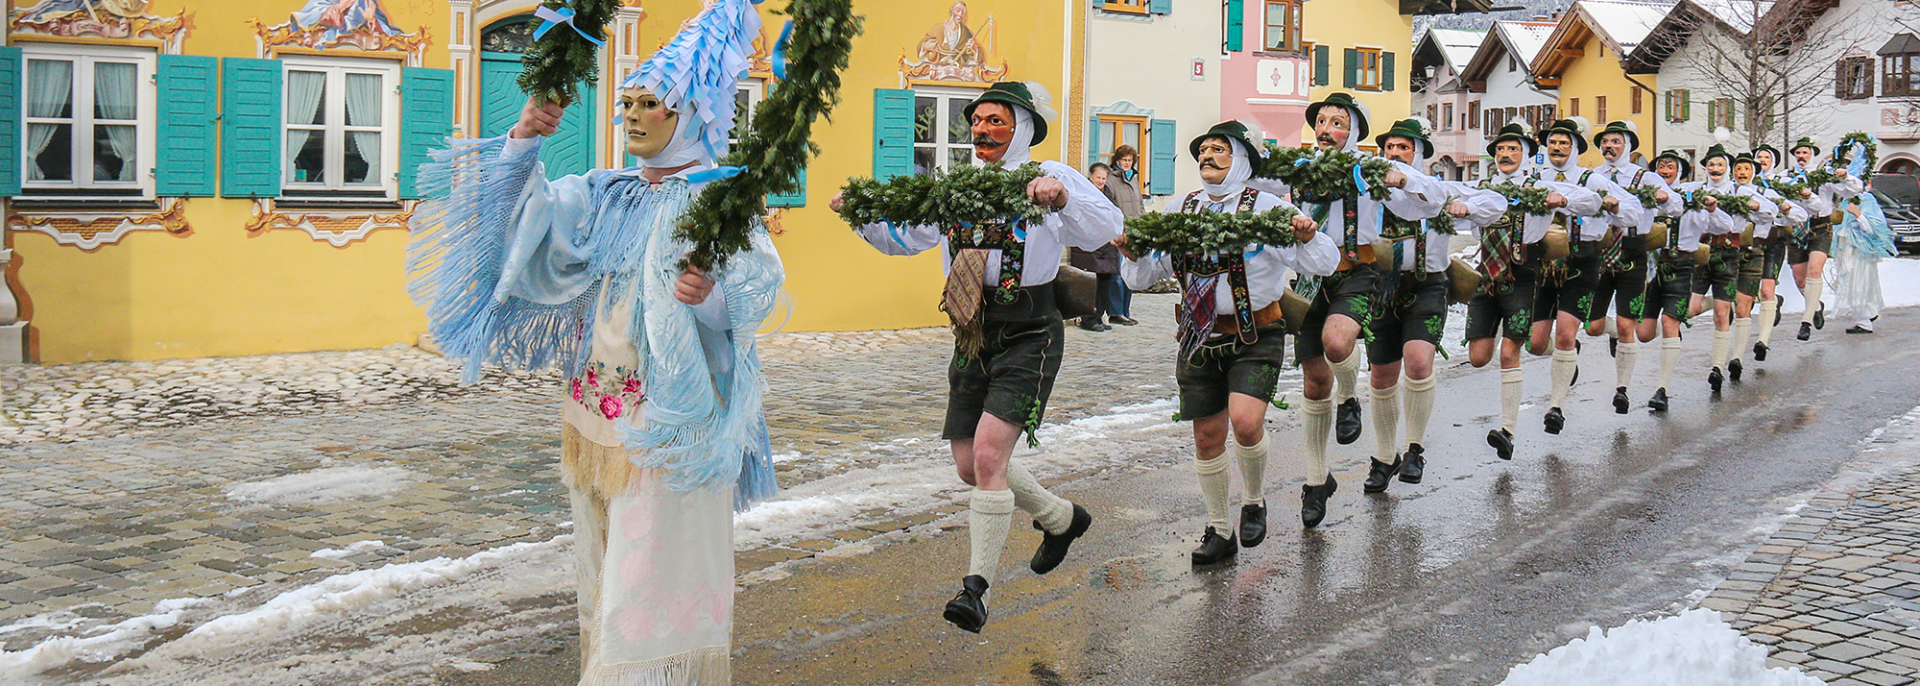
322, 486
353, 548
98, 645
1899, 285
1694, 648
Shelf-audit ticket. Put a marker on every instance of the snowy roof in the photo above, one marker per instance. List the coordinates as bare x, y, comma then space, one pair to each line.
1688, 16
1457, 44
1622, 23
1739, 14
1525, 38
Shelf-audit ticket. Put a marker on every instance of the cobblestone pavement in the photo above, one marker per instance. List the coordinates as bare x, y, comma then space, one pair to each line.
1836, 591
132, 483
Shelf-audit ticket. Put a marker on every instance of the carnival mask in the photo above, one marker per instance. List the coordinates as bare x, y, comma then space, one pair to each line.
1507, 156
1399, 149
1716, 167
646, 121
1613, 145
1803, 155
992, 130
1559, 148
1764, 159
1668, 169
1743, 172
1332, 127
1216, 159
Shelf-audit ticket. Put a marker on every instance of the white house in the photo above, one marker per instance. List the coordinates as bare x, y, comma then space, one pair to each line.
1498, 73
1449, 106
1876, 78
1153, 82
1681, 52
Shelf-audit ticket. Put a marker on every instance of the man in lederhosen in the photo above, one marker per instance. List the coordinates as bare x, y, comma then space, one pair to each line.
1808, 252
1721, 276
1758, 267
1623, 261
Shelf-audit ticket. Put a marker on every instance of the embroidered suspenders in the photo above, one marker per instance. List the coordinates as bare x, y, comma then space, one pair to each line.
1233, 264
1008, 238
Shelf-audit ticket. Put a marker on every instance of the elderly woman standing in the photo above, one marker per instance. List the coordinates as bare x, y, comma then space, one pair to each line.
1123, 187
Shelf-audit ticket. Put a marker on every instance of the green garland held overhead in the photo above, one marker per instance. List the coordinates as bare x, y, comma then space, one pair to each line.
1869, 146
1524, 198
566, 57
720, 221
969, 194
1314, 174
1184, 233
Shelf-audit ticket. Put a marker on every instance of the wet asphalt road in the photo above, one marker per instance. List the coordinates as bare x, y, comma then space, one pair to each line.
1452, 581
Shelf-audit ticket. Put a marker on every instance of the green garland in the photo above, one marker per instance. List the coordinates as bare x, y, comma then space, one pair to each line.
1315, 174
720, 221
1872, 150
1821, 176
1442, 223
1735, 205
1788, 189
563, 60
1191, 233
1524, 198
969, 194
1648, 195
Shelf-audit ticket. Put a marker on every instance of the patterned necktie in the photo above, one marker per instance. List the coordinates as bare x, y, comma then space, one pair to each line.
962, 300
1562, 176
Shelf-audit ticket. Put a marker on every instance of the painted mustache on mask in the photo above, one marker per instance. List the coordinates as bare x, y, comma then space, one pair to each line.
1210, 164
1327, 139
988, 141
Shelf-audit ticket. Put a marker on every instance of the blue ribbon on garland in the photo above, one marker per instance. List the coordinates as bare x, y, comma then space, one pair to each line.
1360, 183
779, 58
551, 17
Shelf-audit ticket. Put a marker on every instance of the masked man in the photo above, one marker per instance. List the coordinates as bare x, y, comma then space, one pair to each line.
1778, 240
1721, 276
663, 435
1411, 314
1232, 336
1008, 335
1326, 347
1510, 264
1808, 253
1623, 256
1759, 268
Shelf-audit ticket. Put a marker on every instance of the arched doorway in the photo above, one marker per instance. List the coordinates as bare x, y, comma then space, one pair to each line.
567, 151
1900, 165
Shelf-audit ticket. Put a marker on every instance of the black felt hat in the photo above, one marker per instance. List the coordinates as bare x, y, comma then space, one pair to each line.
1013, 94
1806, 142
1230, 130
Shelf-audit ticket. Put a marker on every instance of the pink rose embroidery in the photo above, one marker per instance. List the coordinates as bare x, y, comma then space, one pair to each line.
579, 395
636, 623
631, 386
610, 406
637, 523
636, 569
592, 378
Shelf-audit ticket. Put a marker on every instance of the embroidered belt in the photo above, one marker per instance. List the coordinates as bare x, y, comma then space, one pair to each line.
1230, 324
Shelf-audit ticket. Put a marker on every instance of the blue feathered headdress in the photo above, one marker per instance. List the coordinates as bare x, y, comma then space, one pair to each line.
698, 71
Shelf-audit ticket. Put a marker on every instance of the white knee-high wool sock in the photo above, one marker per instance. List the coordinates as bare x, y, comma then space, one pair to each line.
1511, 384
1742, 329
1669, 357
1623, 363
1053, 512
1213, 490
1345, 376
1316, 424
987, 523
1386, 421
1722, 342
1419, 407
1814, 287
1253, 469
1768, 311
1565, 364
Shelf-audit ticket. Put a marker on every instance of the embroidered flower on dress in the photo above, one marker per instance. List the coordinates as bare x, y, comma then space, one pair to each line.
614, 391
579, 394
610, 406
637, 622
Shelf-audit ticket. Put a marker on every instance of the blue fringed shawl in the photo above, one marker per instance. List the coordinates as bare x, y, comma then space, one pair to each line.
509, 267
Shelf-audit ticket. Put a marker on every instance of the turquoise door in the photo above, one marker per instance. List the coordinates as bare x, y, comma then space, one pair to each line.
569, 150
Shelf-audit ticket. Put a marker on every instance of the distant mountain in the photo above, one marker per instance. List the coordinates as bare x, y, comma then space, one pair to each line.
1473, 20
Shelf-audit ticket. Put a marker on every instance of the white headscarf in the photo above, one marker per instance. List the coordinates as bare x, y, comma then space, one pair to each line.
1020, 148
1237, 174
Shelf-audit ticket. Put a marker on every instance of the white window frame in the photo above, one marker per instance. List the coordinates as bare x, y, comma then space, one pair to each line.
82, 186
334, 187
756, 90
943, 157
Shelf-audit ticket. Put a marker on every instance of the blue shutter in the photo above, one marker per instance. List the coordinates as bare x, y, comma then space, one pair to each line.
1160, 6
426, 119
796, 198
1236, 24
11, 70
1322, 65
1353, 68
1386, 71
251, 127
892, 132
189, 88
1093, 140
1165, 158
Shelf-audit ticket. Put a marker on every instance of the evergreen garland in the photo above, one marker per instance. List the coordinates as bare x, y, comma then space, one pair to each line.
969, 194
1184, 233
1821, 176
720, 221
563, 59
1735, 205
1525, 198
1870, 146
1789, 190
1442, 223
1648, 195
1318, 176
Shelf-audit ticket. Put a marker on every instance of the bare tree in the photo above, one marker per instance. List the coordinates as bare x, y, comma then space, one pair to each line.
1771, 61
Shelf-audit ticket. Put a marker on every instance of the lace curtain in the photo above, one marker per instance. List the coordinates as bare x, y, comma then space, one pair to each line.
49, 94
363, 109
305, 90
115, 94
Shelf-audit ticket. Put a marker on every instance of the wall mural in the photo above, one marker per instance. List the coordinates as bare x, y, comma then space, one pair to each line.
101, 18
325, 24
951, 51
88, 231
338, 229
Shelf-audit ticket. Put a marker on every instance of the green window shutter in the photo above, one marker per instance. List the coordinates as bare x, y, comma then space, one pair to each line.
426, 119
1353, 68
1322, 64
251, 127
1165, 157
795, 198
1386, 71
1686, 105
189, 88
1160, 6
1236, 25
1093, 140
892, 132
11, 70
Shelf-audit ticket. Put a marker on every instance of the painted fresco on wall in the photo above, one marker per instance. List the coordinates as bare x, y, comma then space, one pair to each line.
953, 51
100, 18
328, 24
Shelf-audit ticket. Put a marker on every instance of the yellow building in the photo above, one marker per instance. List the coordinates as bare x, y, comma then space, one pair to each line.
1585, 59
251, 195
1363, 47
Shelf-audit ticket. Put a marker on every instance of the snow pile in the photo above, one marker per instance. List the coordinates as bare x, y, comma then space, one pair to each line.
1693, 648
322, 486
101, 645
353, 548
1899, 286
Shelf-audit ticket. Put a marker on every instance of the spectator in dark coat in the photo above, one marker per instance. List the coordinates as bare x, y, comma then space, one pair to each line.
1103, 263
1123, 188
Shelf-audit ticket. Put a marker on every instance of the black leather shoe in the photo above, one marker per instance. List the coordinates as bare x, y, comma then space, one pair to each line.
1123, 321
1313, 501
1093, 324
1346, 423
969, 609
1820, 317
1659, 401
1859, 329
1759, 352
1502, 443
1779, 309
1380, 475
1253, 524
1414, 465
1620, 402
1214, 549
1733, 370
1806, 331
1714, 378
1053, 548
1556, 420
